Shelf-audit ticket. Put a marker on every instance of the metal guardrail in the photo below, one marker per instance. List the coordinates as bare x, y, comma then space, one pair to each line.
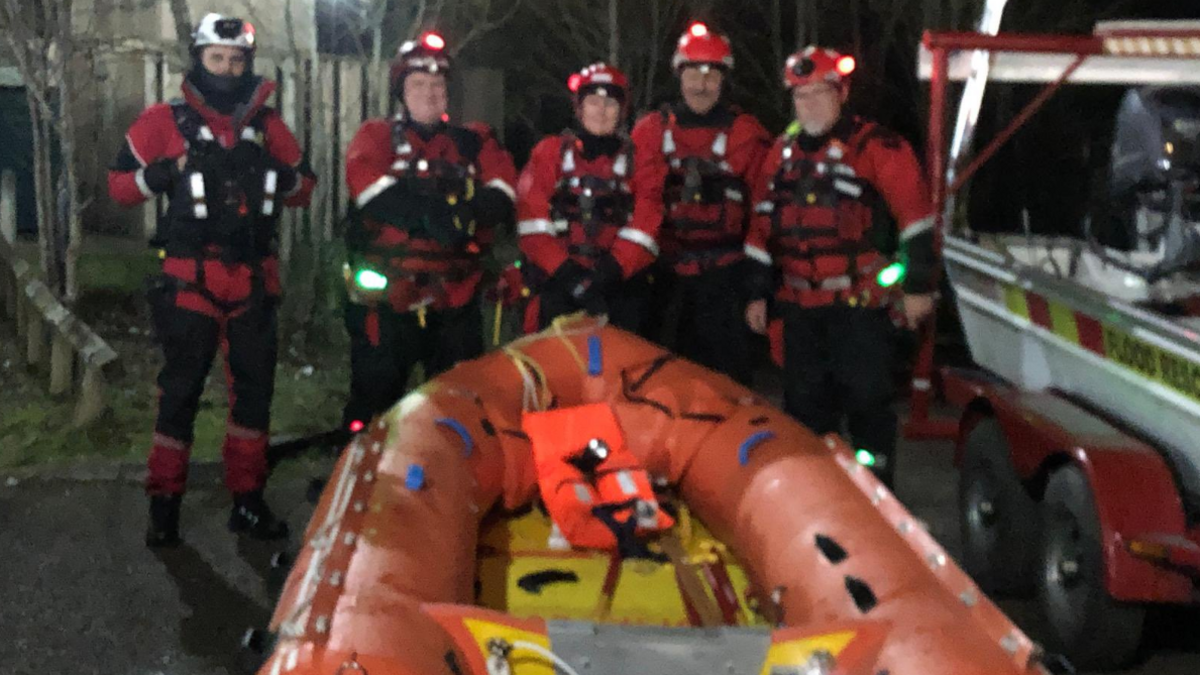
51, 336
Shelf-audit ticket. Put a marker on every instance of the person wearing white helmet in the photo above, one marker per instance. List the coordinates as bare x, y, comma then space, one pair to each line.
227, 164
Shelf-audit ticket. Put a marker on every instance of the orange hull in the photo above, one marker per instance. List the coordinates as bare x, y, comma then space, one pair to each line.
388, 538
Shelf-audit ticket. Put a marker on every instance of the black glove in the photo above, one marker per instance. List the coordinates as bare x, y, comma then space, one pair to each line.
160, 176
920, 262
287, 177
757, 280
570, 280
394, 206
608, 271
592, 297
493, 208
439, 221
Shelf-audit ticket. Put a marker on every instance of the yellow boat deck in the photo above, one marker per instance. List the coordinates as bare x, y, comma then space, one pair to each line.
700, 583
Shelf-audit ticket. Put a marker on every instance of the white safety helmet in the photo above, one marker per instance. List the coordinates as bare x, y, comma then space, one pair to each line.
230, 31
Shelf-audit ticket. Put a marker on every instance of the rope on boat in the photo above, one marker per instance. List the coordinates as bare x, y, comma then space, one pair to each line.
532, 375
560, 333
498, 661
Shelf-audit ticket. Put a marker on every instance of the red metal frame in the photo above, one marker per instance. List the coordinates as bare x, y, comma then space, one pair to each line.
920, 423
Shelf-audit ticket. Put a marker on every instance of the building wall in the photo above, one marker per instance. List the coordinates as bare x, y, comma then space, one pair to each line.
152, 21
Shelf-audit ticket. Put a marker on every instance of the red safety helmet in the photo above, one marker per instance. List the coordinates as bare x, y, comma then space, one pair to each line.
700, 46
599, 78
424, 55
816, 64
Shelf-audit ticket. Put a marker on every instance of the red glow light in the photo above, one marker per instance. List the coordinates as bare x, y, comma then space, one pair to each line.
846, 65
698, 30
434, 41
356, 426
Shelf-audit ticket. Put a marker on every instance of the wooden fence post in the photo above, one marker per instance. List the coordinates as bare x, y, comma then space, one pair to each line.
35, 335
62, 365
8, 206
91, 396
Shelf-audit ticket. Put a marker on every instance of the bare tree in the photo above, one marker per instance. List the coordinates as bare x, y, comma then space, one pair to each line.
49, 55
183, 27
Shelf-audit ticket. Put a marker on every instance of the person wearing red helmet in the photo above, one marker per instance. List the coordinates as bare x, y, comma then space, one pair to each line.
227, 164
842, 233
710, 151
428, 196
588, 218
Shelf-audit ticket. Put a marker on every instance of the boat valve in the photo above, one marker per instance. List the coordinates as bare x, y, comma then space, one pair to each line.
497, 660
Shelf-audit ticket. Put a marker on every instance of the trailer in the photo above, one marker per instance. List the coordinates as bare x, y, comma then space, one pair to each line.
1079, 436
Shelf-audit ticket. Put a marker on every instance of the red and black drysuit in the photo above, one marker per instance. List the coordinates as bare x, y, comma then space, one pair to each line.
711, 161
588, 215
219, 287
830, 213
428, 201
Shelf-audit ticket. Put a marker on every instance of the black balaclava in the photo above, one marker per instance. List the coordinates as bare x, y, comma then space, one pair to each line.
222, 93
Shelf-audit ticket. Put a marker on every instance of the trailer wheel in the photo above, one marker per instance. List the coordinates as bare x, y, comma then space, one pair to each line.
1092, 629
1000, 521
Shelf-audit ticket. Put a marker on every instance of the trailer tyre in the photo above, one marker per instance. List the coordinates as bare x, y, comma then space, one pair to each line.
1092, 629
1000, 521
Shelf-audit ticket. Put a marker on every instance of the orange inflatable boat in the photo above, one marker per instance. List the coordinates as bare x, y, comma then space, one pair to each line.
429, 552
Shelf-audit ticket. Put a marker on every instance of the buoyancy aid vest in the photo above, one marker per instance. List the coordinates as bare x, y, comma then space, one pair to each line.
227, 198
594, 500
437, 245
590, 206
831, 229
704, 199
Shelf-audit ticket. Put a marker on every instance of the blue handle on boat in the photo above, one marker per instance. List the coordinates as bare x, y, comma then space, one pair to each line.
458, 428
752, 442
415, 478
595, 359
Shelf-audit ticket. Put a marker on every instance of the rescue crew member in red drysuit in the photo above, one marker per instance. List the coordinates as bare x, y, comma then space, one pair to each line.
429, 195
837, 199
596, 491
227, 164
711, 150
589, 213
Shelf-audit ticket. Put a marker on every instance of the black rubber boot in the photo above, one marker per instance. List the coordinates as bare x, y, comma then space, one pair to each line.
164, 521
252, 516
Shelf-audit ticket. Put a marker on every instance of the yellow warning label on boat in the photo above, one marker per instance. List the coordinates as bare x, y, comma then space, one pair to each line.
796, 653
1153, 362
